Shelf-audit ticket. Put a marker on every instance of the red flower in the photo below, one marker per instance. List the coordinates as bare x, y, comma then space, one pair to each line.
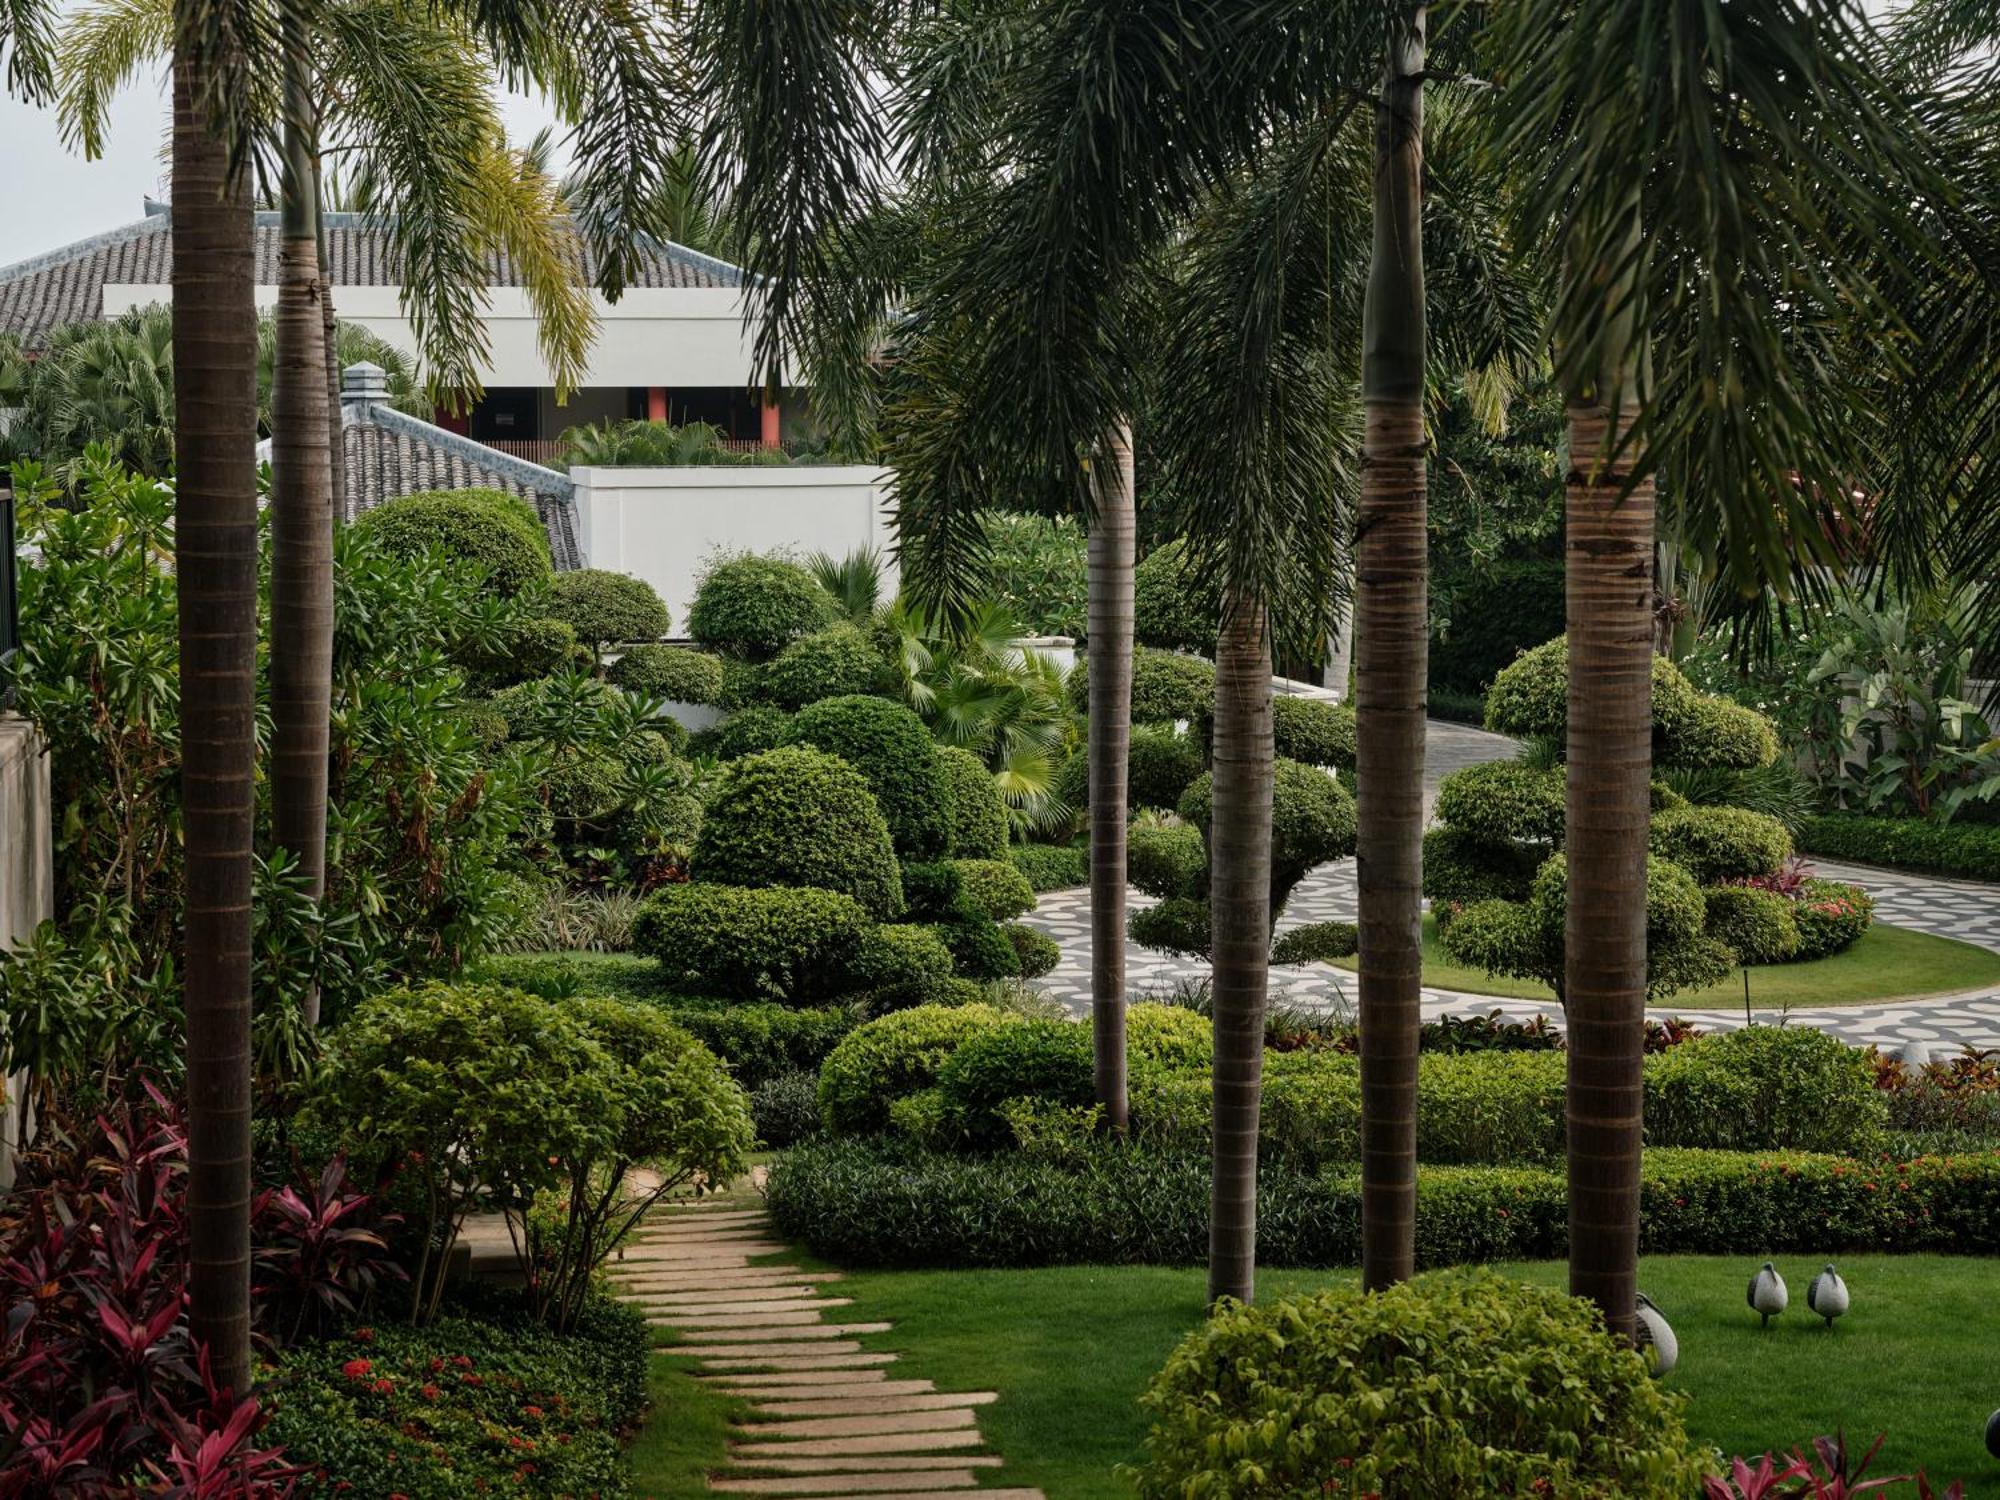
464, 1362
356, 1369
363, 1335
429, 1392
471, 1380
531, 1411
383, 1387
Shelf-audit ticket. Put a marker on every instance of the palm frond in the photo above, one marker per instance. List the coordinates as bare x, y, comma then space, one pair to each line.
522, 217
103, 45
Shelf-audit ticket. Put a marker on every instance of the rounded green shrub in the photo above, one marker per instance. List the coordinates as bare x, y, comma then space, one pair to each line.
526, 649
671, 674
1312, 821
1316, 942
748, 731
902, 965
979, 949
606, 608
1036, 952
1715, 844
889, 745
1451, 1384
753, 607
1050, 867
1178, 925
799, 817
1171, 607
1167, 859
785, 1109
1168, 1038
1166, 687
1046, 1061
496, 530
1712, 732
1160, 765
1831, 917
932, 890
1312, 731
978, 816
1765, 1088
839, 661
894, 1056
1504, 800
993, 888
1757, 925
1460, 870
772, 942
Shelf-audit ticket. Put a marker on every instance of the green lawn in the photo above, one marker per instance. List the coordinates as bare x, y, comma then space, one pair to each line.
683, 1437
1888, 963
1070, 1349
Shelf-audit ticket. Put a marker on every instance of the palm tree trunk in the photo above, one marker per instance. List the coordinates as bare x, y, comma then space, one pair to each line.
330, 346
1609, 567
1240, 913
1112, 547
301, 507
215, 511
1391, 656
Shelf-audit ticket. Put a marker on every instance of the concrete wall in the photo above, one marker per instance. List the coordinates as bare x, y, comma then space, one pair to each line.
664, 525
27, 878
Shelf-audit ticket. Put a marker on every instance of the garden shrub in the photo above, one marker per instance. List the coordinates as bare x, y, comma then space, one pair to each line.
1036, 952
1455, 1383
761, 1042
499, 531
1177, 925
1765, 1088
1050, 867
1167, 859
1048, 1061
1959, 850
1758, 926
1714, 844
1714, 732
932, 891
1830, 917
978, 816
782, 942
1161, 764
901, 966
606, 608
839, 661
892, 1056
798, 817
523, 649
1171, 607
786, 1109
1504, 800
1170, 1038
753, 607
993, 889
1035, 570
1166, 687
748, 731
1312, 731
888, 745
1312, 822
672, 674
1316, 942
1460, 870
979, 948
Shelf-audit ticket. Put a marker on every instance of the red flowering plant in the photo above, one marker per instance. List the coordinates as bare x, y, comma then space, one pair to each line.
1830, 1472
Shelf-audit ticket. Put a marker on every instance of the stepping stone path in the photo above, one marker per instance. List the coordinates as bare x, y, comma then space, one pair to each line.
828, 1418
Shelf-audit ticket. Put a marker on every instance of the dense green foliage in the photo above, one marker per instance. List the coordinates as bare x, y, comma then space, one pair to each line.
797, 817
1171, 609
753, 607
1758, 926
1036, 570
1965, 851
1715, 844
671, 673
745, 732
755, 942
1312, 731
606, 609
993, 888
1504, 800
889, 745
897, 1055
838, 661
1167, 687
901, 965
1050, 867
499, 531
1496, 612
978, 816
1161, 763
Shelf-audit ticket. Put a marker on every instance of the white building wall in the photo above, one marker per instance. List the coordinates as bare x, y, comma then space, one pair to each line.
664, 525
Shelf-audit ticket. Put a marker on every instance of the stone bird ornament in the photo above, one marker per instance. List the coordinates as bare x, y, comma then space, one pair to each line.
1767, 1295
1827, 1295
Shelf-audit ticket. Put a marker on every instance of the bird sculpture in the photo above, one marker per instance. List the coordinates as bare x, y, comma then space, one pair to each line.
1655, 1333
1827, 1295
1768, 1296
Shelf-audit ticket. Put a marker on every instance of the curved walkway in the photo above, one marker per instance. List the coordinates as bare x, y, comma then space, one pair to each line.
1966, 910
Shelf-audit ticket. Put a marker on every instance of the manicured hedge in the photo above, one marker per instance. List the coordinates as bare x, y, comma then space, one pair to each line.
1166, 687
1172, 608
888, 745
605, 608
754, 606
830, 663
748, 731
1503, 800
669, 672
1051, 867
893, 1056
797, 816
978, 816
882, 1202
776, 942
1714, 844
1313, 731
1161, 764
1966, 851
499, 531
993, 888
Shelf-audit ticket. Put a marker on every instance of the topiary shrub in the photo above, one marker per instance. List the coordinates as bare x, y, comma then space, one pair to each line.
1451, 1384
785, 1109
978, 816
894, 1056
901, 965
1830, 917
1171, 607
1166, 687
979, 949
1168, 1039
1036, 951
748, 731
523, 650
993, 888
496, 530
1161, 764
932, 891
1167, 859
1715, 733
1758, 926
1050, 867
772, 942
1460, 870
671, 674
889, 745
1765, 1088
839, 661
1312, 731
606, 608
1316, 942
798, 817
1715, 844
1312, 822
1046, 1061
1504, 800
753, 607
1177, 925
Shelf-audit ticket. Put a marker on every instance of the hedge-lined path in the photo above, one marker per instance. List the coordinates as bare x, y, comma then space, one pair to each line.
827, 1419
1966, 910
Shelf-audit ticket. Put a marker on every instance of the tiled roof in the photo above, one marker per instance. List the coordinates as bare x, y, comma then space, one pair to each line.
67, 285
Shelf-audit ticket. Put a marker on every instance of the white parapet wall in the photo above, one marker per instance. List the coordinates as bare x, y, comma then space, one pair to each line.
664, 525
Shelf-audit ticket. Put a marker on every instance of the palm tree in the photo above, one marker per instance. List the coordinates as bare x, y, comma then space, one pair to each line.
1719, 182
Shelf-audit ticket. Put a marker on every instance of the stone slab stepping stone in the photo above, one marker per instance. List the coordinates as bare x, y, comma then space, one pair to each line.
717, 1296
727, 1234
699, 1278
861, 1406
822, 1331
875, 1463
796, 1365
790, 1388
779, 1299
708, 1321
1014, 1494
720, 1214
701, 1250
772, 1350
849, 1484
845, 1447
670, 1283
864, 1426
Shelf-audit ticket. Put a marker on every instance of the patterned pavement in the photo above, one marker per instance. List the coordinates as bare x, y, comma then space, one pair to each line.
1966, 910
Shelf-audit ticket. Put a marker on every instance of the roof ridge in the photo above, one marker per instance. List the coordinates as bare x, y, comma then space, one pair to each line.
78, 249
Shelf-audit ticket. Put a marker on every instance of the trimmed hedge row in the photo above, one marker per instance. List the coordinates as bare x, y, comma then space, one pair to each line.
1967, 851
883, 1203
1051, 867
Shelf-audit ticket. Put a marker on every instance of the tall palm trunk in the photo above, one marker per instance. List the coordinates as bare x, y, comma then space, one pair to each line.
1391, 654
1240, 913
1609, 568
1112, 546
215, 513
301, 505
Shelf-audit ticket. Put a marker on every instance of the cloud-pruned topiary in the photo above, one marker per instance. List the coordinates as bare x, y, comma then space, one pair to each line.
1312, 823
1504, 800
1312, 731
672, 674
754, 607
1167, 859
770, 942
893, 1056
797, 816
889, 745
978, 816
499, 531
993, 888
832, 663
901, 965
606, 608
1758, 926
1166, 687
1161, 763
1715, 844
745, 732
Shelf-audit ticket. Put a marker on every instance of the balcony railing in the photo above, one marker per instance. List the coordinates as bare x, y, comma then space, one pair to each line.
549, 452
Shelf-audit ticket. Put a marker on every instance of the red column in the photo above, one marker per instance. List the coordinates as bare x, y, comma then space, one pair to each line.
770, 413
656, 403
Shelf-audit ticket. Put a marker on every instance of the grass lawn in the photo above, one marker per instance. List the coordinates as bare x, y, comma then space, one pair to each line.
1070, 1349
684, 1435
1887, 963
